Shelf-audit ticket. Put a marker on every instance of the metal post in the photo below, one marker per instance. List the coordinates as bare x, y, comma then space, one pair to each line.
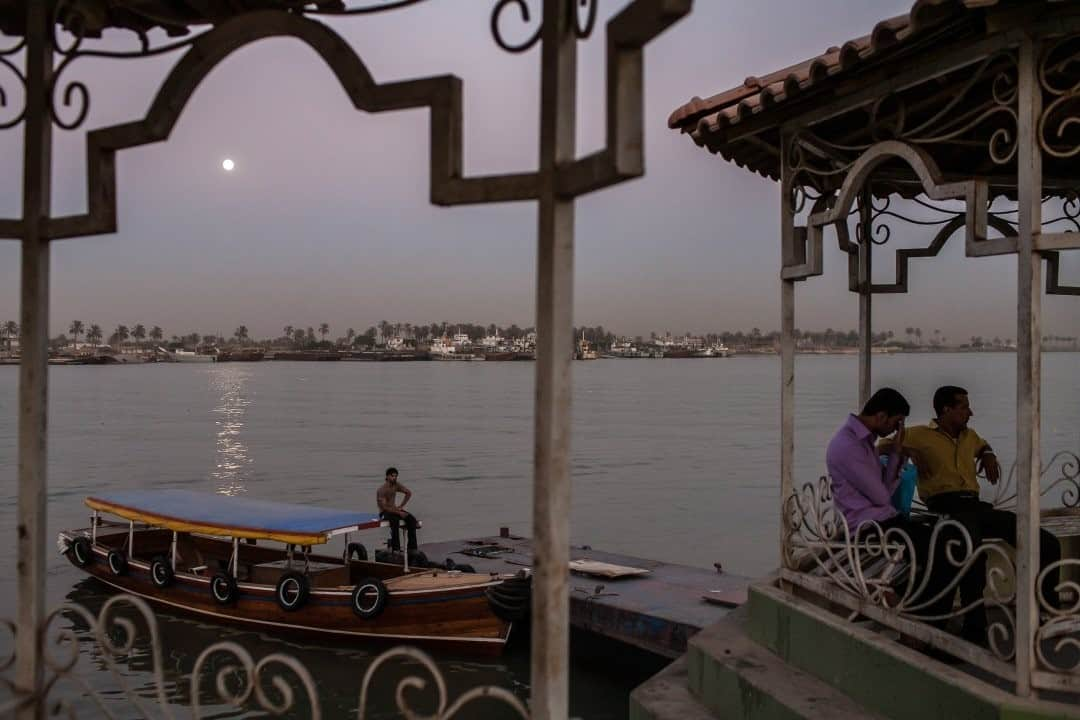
93, 528
33, 369
235, 556
555, 347
131, 539
787, 347
866, 326
1028, 363
172, 551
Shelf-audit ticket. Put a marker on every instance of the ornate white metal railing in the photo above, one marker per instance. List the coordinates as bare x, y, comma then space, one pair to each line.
224, 675
876, 572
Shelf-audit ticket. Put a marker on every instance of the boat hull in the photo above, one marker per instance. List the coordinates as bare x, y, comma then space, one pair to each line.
457, 619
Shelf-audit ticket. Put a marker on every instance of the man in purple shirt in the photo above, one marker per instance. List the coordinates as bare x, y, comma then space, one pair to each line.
863, 488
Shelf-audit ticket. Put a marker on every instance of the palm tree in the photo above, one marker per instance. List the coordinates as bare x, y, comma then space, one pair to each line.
121, 334
288, 330
298, 333
93, 335
156, 333
241, 334
76, 329
139, 333
918, 335
324, 329
350, 335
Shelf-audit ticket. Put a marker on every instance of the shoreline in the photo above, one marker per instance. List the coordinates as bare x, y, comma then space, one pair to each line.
322, 356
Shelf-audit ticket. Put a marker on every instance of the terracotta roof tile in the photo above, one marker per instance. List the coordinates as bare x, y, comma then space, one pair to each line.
756, 93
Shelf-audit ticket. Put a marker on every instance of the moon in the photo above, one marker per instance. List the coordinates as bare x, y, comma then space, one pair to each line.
227, 165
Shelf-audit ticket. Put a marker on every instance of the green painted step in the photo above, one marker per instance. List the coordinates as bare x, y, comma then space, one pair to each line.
666, 696
875, 671
734, 677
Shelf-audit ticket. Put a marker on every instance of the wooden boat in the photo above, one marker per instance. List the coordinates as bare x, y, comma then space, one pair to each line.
248, 562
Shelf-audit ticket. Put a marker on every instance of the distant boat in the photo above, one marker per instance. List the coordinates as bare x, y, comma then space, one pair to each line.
185, 356
457, 350
241, 355
585, 350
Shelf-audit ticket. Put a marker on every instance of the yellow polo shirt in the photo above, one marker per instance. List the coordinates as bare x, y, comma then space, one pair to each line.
948, 462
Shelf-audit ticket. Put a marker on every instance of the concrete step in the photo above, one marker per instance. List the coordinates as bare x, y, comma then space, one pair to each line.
666, 696
879, 673
735, 677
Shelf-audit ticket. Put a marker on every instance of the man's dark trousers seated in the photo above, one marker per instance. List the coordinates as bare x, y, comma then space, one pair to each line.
983, 520
410, 527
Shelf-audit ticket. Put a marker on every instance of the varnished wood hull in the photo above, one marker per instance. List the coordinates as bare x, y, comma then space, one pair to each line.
457, 619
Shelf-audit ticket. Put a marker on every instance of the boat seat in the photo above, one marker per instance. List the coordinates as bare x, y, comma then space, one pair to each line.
197, 570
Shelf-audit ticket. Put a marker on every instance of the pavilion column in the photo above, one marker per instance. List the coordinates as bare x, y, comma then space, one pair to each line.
789, 253
1028, 362
866, 325
555, 347
33, 368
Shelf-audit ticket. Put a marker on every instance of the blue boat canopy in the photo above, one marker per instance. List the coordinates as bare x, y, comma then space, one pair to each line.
231, 515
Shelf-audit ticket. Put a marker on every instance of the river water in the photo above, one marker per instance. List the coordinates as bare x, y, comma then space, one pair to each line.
673, 460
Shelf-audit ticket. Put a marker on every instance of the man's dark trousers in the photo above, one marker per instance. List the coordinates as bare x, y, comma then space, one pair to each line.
410, 527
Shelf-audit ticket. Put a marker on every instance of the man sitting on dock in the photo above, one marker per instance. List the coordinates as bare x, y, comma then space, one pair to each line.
393, 513
863, 488
950, 455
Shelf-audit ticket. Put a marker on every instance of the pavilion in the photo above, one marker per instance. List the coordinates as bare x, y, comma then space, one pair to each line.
961, 117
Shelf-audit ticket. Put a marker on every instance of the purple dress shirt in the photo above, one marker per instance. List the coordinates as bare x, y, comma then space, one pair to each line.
862, 487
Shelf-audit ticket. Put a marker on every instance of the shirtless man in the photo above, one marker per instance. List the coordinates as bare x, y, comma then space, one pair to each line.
393, 513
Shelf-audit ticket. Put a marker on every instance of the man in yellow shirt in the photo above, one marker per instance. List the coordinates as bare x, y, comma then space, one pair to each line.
949, 456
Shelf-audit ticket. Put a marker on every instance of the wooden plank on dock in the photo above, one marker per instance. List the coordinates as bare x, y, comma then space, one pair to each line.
657, 612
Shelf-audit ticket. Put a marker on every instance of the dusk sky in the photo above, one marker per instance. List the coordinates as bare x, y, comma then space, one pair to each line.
325, 217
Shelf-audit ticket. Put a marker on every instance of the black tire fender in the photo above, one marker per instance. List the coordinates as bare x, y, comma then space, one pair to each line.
223, 589
369, 598
358, 549
161, 572
508, 610
80, 552
118, 562
292, 591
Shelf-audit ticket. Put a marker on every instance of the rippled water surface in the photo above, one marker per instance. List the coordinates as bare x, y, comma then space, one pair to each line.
672, 459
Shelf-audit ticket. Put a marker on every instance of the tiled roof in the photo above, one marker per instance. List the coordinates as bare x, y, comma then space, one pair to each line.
758, 94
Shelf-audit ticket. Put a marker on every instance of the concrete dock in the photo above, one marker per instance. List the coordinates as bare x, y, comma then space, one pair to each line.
657, 612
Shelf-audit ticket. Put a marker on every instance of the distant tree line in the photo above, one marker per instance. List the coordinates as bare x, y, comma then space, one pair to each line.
313, 337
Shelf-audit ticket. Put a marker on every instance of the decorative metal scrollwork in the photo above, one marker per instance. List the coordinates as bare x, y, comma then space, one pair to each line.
415, 682
582, 27
6, 55
1065, 465
224, 674
985, 103
249, 681
1057, 639
71, 16
878, 566
1059, 76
